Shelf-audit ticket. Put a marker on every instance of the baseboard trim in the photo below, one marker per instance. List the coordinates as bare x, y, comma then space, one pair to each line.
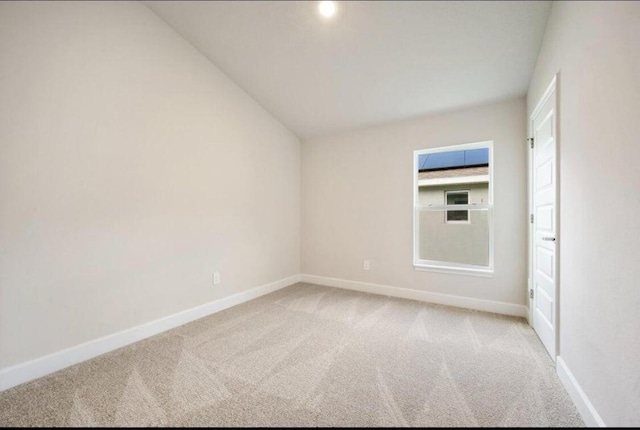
39, 367
423, 296
587, 411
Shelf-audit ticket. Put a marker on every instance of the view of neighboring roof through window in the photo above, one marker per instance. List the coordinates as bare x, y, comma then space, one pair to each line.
436, 168
454, 160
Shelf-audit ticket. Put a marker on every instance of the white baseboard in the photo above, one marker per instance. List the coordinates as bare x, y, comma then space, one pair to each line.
24, 372
588, 413
424, 296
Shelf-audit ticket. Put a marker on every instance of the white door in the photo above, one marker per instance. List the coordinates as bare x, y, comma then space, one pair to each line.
544, 227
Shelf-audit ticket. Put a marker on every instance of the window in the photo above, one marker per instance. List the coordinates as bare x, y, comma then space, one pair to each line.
453, 209
457, 198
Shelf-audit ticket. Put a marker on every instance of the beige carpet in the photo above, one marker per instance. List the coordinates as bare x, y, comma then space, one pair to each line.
312, 356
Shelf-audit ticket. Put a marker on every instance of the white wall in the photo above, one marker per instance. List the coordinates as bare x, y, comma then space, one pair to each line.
596, 48
131, 168
358, 201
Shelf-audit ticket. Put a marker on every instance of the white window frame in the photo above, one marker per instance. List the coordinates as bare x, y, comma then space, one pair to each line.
452, 267
446, 213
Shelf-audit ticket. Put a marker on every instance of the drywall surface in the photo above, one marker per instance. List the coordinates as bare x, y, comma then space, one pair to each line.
131, 169
358, 201
595, 47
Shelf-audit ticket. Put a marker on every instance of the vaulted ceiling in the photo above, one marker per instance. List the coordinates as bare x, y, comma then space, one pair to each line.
373, 62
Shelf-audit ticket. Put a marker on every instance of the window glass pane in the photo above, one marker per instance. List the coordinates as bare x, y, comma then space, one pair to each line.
459, 175
466, 243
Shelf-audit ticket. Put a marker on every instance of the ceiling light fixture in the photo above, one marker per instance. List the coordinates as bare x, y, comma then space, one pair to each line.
327, 8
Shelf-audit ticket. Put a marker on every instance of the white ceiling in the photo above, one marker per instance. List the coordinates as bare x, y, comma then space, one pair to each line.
372, 62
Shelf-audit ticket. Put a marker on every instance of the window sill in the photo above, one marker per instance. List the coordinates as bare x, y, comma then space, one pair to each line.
483, 273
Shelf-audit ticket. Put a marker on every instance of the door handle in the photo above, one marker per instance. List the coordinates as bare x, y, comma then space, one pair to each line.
549, 238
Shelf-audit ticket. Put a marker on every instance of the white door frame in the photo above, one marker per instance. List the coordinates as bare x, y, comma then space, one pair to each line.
552, 89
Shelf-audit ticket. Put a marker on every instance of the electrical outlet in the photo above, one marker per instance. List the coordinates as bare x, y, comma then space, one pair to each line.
216, 278
366, 265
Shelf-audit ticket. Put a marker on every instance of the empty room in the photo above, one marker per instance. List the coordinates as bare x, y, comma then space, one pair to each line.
319, 214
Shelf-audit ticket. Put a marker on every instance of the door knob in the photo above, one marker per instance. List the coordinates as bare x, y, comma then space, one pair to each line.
549, 238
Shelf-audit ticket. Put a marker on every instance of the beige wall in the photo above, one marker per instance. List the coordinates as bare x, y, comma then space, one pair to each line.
596, 48
466, 243
358, 201
131, 168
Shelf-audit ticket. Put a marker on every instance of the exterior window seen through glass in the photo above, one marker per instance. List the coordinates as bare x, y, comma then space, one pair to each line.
457, 198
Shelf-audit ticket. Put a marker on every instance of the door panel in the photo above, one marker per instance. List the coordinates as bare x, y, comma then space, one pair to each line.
544, 243
545, 308
545, 130
545, 217
545, 262
544, 175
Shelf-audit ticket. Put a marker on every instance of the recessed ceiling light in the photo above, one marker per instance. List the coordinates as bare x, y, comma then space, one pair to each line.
327, 8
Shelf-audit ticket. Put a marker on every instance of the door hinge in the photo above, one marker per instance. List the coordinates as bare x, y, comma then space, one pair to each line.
531, 293
530, 140
531, 218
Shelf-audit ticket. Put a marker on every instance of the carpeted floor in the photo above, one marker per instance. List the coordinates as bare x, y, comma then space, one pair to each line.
312, 356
